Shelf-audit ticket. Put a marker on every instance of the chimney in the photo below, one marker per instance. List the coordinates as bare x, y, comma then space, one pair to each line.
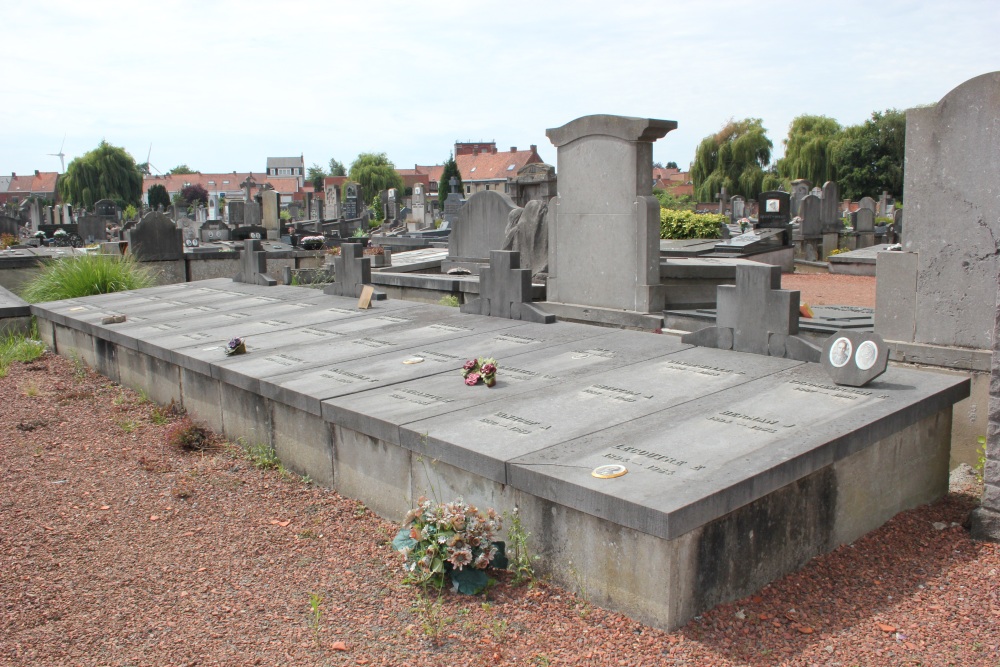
534, 148
36, 172
493, 149
513, 149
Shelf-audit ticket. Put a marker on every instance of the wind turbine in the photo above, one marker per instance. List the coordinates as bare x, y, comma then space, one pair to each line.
149, 167
61, 155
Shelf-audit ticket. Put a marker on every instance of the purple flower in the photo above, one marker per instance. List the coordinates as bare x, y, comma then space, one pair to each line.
470, 365
472, 379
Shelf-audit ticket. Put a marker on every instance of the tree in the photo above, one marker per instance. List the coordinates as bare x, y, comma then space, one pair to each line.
672, 165
735, 158
868, 158
807, 150
670, 201
194, 194
375, 173
182, 169
107, 172
315, 175
157, 195
450, 170
337, 168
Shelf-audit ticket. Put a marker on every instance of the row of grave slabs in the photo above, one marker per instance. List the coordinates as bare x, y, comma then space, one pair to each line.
665, 478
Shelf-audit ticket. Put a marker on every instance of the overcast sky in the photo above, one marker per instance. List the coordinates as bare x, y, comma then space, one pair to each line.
221, 86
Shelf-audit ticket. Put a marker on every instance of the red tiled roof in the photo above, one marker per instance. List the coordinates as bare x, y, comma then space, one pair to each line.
433, 172
494, 166
284, 185
334, 180
41, 183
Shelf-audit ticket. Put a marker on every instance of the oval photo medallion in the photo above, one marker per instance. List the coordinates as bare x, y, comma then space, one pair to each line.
841, 351
609, 471
866, 356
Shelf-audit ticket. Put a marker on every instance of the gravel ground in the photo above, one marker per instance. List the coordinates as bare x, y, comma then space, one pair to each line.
117, 549
827, 289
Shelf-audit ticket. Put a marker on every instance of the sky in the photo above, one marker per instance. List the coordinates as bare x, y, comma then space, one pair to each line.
221, 85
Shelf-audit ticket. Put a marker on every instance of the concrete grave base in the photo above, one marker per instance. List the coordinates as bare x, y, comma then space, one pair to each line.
740, 467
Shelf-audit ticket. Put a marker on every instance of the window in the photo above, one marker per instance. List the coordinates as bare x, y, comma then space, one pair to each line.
211, 182
487, 186
284, 171
468, 189
225, 182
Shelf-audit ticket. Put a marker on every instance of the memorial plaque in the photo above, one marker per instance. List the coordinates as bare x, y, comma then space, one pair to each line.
695, 462
486, 436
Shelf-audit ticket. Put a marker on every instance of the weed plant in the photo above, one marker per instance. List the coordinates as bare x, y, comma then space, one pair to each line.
189, 437
86, 275
18, 348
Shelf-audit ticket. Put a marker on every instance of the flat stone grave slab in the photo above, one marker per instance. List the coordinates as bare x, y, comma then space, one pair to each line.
576, 350
428, 324
506, 338
692, 463
482, 438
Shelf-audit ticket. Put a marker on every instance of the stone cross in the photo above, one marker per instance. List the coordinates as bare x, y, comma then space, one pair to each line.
757, 316
505, 291
723, 198
453, 183
247, 186
352, 271
253, 265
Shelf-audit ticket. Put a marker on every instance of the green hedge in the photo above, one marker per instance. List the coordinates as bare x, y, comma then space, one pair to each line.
690, 225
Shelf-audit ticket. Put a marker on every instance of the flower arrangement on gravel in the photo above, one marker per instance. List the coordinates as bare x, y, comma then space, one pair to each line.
483, 369
236, 346
312, 242
39, 234
453, 539
59, 233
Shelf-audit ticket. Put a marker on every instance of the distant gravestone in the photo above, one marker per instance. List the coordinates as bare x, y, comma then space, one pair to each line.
269, 213
213, 208
236, 211
829, 206
867, 203
253, 265
214, 230
604, 236
774, 212
108, 210
252, 214
92, 229
453, 202
35, 213
738, 208
318, 209
249, 232
156, 238
809, 211
9, 225
505, 291
800, 188
480, 228
757, 316
419, 203
352, 210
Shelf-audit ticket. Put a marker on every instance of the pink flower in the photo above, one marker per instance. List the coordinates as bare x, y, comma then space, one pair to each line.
472, 379
470, 365
489, 369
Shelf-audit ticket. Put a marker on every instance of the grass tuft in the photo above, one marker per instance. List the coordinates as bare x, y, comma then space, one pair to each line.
86, 275
18, 348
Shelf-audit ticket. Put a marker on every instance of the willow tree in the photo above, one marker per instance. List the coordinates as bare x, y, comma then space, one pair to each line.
808, 150
107, 172
735, 158
375, 173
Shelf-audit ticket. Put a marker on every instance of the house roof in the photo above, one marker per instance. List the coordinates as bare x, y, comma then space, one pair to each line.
284, 185
38, 183
279, 162
433, 172
494, 165
335, 180
412, 176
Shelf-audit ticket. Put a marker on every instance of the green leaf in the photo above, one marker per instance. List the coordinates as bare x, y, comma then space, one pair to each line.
403, 540
469, 581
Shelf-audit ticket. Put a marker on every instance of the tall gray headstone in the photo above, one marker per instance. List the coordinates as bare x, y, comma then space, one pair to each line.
867, 203
252, 214
829, 205
35, 211
809, 211
800, 188
604, 234
236, 213
352, 207
269, 217
952, 221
